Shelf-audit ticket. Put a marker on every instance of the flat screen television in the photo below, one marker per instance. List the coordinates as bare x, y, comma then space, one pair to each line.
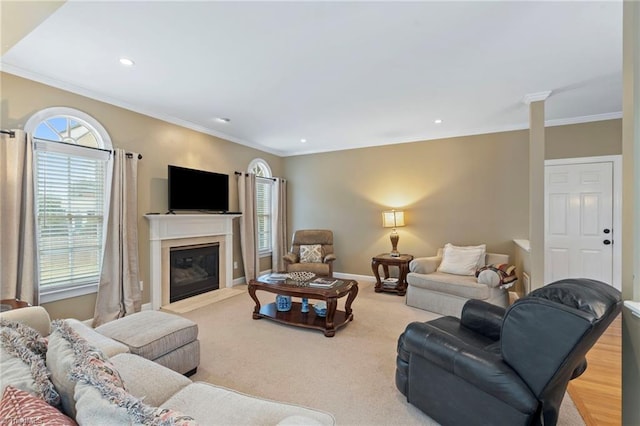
191, 189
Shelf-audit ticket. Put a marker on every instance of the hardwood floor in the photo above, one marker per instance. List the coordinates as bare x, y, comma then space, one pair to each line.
598, 392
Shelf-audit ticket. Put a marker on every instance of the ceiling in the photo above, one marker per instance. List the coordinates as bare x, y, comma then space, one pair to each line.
339, 75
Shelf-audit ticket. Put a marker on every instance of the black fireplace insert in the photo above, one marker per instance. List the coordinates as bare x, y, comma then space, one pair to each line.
193, 270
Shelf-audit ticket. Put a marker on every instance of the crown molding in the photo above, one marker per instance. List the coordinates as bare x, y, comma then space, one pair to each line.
82, 91
535, 97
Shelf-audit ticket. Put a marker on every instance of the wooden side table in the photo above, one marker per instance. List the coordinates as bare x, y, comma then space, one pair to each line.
9, 304
386, 260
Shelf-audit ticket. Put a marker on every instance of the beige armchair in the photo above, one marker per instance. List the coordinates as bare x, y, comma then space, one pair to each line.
311, 250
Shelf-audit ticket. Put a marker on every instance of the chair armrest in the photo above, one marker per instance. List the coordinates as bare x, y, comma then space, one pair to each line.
483, 318
329, 258
425, 265
484, 370
290, 258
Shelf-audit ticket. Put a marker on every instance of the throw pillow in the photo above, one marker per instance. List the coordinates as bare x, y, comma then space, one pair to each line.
100, 400
18, 407
22, 367
30, 337
65, 346
92, 389
311, 253
463, 260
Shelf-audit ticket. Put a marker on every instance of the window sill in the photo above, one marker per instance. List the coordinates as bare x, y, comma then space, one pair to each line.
53, 295
264, 254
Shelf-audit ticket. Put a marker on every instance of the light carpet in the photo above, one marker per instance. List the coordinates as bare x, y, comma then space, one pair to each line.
351, 375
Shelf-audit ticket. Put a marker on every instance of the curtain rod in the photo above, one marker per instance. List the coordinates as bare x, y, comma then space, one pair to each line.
110, 151
247, 174
12, 134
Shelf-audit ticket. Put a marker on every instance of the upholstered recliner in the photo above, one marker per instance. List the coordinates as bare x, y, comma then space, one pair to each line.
505, 367
311, 250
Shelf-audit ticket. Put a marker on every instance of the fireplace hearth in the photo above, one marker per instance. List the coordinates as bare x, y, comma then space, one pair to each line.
193, 270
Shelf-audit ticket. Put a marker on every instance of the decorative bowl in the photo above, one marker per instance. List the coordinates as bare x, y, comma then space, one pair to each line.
301, 276
321, 309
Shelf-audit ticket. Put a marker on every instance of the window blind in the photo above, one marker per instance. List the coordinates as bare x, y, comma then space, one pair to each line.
263, 207
70, 211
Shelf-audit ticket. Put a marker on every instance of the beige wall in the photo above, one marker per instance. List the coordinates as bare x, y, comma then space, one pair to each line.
584, 140
159, 142
464, 190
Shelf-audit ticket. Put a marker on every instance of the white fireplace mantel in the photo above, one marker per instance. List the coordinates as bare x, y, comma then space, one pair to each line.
174, 230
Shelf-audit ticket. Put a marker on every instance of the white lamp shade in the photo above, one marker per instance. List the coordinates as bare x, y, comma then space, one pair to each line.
392, 218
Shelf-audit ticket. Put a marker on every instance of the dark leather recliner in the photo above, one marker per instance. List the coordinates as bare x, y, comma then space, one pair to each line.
497, 366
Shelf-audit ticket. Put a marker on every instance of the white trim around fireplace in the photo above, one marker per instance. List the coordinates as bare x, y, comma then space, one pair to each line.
177, 230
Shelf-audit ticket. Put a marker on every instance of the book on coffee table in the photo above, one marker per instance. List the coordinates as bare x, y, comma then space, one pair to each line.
276, 277
323, 282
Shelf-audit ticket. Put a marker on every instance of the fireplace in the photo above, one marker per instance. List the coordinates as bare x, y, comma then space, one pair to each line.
168, 231
193, 270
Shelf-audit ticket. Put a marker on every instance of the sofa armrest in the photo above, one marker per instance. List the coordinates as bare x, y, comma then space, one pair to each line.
425, 265
497, 275
483, 318
35, 317
107, 345
147, 379
484, 370
489, 278
329, 258
290, 258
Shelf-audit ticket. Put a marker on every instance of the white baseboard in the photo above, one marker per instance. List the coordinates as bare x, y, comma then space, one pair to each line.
238, 281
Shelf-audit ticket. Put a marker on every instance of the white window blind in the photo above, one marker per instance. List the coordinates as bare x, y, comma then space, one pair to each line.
70, 213
263, 207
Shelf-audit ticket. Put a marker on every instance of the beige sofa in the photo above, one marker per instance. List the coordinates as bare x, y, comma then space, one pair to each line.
446, 294
155, 384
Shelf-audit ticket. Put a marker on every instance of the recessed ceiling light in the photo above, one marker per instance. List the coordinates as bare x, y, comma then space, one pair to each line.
223, 120
126, 62
303, 140
438, 121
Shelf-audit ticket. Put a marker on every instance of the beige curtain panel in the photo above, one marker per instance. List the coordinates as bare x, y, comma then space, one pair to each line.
279, 225
119, 292
17, 219
248, 225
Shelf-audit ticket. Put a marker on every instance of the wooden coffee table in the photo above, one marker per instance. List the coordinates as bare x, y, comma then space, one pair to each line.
329, 324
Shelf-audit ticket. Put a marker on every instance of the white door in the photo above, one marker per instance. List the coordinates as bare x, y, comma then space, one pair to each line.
578, 221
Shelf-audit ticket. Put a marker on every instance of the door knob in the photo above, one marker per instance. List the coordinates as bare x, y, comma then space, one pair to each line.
606, 242
606, 231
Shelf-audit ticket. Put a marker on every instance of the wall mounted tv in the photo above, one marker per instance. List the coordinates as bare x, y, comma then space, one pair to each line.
191, 189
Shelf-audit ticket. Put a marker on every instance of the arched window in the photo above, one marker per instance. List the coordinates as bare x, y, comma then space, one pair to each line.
264, 203
71, 176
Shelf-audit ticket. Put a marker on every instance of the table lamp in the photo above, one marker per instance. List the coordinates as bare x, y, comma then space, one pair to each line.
393, 219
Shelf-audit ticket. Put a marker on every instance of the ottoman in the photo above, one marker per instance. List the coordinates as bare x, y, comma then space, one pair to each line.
169, 340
